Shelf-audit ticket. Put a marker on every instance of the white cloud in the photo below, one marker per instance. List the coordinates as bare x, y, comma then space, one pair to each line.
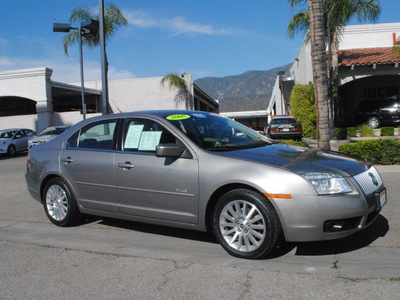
175, 26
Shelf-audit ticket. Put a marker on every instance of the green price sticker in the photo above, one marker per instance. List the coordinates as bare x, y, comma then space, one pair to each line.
178, 117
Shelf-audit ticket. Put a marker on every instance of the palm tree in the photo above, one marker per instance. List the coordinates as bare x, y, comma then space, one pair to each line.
177, 81
339, 12
335, 14
113, 20
319, 66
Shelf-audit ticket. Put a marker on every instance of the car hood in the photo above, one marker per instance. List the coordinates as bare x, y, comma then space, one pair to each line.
299, 159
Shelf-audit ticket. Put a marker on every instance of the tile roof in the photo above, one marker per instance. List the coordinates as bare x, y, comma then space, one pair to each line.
367, 56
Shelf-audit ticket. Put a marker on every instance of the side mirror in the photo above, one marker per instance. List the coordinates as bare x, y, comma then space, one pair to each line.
18, 136
169, 150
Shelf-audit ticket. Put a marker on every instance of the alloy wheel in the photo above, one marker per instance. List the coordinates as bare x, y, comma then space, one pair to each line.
242, 226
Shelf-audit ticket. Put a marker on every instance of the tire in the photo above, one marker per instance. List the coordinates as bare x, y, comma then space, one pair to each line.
11, 151
59, 203
374, 122
246, 224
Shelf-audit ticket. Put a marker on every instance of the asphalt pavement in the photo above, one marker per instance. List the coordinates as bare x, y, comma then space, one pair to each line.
110, 259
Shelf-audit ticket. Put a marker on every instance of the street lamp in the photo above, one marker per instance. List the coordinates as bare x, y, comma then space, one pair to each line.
87, 29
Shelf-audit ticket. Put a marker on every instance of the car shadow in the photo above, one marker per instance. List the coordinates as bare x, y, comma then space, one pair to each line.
359, 240
154, 229
5, 156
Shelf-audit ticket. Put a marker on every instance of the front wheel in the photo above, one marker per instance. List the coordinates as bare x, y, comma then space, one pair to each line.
12, 151
246, 224
374, 122
59, 203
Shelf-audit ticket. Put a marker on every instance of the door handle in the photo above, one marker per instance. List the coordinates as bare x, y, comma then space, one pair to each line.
67, 160
126, 165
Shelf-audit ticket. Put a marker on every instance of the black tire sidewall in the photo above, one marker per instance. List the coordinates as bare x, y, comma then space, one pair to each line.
12, 151
272, 223
72, 213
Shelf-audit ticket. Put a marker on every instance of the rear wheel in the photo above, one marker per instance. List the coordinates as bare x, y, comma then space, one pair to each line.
11, 150
246, 224
59, 203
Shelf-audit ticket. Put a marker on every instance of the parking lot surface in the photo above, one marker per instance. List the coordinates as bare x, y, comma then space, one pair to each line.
113, 259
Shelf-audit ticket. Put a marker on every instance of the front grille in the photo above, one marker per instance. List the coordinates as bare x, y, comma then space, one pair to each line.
367, 182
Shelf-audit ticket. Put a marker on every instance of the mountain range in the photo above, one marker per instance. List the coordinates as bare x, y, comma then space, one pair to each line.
248, 91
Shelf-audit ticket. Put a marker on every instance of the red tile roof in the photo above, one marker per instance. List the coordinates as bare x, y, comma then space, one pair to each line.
367, 56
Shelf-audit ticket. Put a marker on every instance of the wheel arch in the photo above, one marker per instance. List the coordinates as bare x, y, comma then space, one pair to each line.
50, 177
217, 195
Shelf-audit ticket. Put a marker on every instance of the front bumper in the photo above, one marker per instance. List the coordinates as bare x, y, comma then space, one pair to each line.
328, 217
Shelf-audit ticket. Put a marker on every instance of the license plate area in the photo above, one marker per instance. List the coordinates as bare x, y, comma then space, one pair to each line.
382, 199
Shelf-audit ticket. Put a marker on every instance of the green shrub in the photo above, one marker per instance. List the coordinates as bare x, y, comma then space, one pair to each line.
302, 105
341, 133
295, 143
365, 130
382, 151
387, 131
352, 131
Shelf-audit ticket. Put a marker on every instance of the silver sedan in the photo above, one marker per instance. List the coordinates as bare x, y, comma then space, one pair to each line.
201, 171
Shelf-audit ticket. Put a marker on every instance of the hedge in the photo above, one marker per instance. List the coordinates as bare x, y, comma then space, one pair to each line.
352, 131
387, 131
302, 105
382, 151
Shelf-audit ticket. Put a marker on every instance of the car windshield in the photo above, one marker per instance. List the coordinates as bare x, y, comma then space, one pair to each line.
52, 131
283, 121
7, 134
216, 133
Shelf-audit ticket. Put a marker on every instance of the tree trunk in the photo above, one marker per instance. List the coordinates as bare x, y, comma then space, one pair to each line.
319, 66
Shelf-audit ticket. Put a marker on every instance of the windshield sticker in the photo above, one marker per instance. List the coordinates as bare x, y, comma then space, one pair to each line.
199, 116
178, 117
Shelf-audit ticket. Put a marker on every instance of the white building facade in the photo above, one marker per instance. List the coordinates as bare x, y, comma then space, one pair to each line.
30, 99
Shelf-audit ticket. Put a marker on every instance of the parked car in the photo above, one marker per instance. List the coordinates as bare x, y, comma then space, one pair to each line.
46, 135
284, 127
15, 140
378, 113
201, 171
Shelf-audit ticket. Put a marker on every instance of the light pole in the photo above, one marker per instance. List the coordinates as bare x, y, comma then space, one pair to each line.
86, 29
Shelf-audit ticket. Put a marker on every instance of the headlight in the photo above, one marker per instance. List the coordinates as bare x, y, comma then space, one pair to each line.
327, 183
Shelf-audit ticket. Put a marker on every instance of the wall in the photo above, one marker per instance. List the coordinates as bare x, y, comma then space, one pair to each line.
369, 36
22, 121
301, 70
139, 94
33, 84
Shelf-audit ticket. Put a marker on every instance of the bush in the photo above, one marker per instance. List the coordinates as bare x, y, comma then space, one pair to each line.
302, 105
341, 134
365, 130
352, 131
387, 131
382, 151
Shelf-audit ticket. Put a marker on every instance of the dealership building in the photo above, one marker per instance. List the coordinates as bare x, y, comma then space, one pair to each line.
366, 69
31, 99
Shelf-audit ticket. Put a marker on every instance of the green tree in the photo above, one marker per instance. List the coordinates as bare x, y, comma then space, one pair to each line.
177, 81
113, 20
396, 48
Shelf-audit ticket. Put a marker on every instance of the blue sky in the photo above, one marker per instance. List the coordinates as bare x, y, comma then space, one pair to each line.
202, 37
